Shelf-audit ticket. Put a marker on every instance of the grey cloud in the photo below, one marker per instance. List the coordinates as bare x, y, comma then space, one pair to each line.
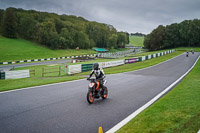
127, 15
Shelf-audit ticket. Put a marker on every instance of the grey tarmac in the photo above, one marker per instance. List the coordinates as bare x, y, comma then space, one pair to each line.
63, 108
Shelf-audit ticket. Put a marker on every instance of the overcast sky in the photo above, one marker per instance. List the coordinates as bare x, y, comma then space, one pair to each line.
125, 15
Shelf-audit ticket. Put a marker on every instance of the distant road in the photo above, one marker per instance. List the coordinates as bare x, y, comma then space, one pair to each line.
7, 67
63, 108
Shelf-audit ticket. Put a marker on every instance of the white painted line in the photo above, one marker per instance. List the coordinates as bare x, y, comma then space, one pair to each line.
134, 114
41, 86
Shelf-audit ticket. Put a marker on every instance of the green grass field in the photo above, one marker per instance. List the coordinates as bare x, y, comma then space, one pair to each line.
136, 41
20, 49
177, 112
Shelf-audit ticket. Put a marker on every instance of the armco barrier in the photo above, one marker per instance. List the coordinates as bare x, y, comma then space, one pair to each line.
112, 63
87, 67
132, 60
46, 59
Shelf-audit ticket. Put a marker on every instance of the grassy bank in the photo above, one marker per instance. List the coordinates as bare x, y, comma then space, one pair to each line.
136, 41
196, 49
178, 111
39, 80
20, 49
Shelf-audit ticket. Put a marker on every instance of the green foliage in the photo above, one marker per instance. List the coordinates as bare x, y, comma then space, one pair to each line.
186, 34
1, 18
59, 31
9, 24
154, 41
122, 39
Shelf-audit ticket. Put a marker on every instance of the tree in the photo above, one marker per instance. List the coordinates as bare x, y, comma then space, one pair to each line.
81, 40
66, 38
1, 18
112, 42
27, 26
9, 25
155, 38
122, 39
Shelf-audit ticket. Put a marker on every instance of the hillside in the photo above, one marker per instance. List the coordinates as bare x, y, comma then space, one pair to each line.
59, 31
136, 41
20, 49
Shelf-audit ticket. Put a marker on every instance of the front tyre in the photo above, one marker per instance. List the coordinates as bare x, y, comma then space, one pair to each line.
105, 93
90, 97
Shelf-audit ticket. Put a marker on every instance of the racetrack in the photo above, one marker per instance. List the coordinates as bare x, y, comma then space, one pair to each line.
63, 107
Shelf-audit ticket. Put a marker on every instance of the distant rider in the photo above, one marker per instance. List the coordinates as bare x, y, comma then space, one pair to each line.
99, 74
187, 53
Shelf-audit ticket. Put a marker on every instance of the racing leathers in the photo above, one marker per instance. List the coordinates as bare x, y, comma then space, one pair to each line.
99, 74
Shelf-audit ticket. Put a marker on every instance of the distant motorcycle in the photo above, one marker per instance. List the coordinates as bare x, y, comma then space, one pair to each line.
192, 51
95, 91
187, 54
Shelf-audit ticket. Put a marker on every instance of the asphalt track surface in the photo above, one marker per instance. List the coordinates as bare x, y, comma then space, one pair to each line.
63, 108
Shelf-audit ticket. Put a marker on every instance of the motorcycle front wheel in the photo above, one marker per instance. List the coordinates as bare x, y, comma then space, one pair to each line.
90, 97
105, 93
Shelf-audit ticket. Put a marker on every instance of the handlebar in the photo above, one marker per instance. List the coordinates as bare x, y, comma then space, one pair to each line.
95, 78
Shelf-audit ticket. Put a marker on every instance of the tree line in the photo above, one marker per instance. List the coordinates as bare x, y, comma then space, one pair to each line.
59, 31
137, 34
186, 34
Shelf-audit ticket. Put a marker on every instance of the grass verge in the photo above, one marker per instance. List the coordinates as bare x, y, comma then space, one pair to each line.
178, 111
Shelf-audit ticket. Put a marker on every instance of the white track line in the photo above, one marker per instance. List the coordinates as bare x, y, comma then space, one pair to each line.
134, 114
76, 80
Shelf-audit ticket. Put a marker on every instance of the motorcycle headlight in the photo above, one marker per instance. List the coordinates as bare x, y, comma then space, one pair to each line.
91, 84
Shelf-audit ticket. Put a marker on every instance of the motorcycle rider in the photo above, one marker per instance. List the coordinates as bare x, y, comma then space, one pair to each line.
187, 53
99, 74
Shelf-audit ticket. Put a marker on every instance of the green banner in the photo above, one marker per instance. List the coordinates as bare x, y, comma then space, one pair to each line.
86, 67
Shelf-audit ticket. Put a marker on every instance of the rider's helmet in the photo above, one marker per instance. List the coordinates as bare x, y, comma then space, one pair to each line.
95, 66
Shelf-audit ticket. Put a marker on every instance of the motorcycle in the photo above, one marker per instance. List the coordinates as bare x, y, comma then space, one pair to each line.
187, 54
95, 91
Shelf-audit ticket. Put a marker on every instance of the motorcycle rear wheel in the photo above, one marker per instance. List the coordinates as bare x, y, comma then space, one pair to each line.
90, 97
